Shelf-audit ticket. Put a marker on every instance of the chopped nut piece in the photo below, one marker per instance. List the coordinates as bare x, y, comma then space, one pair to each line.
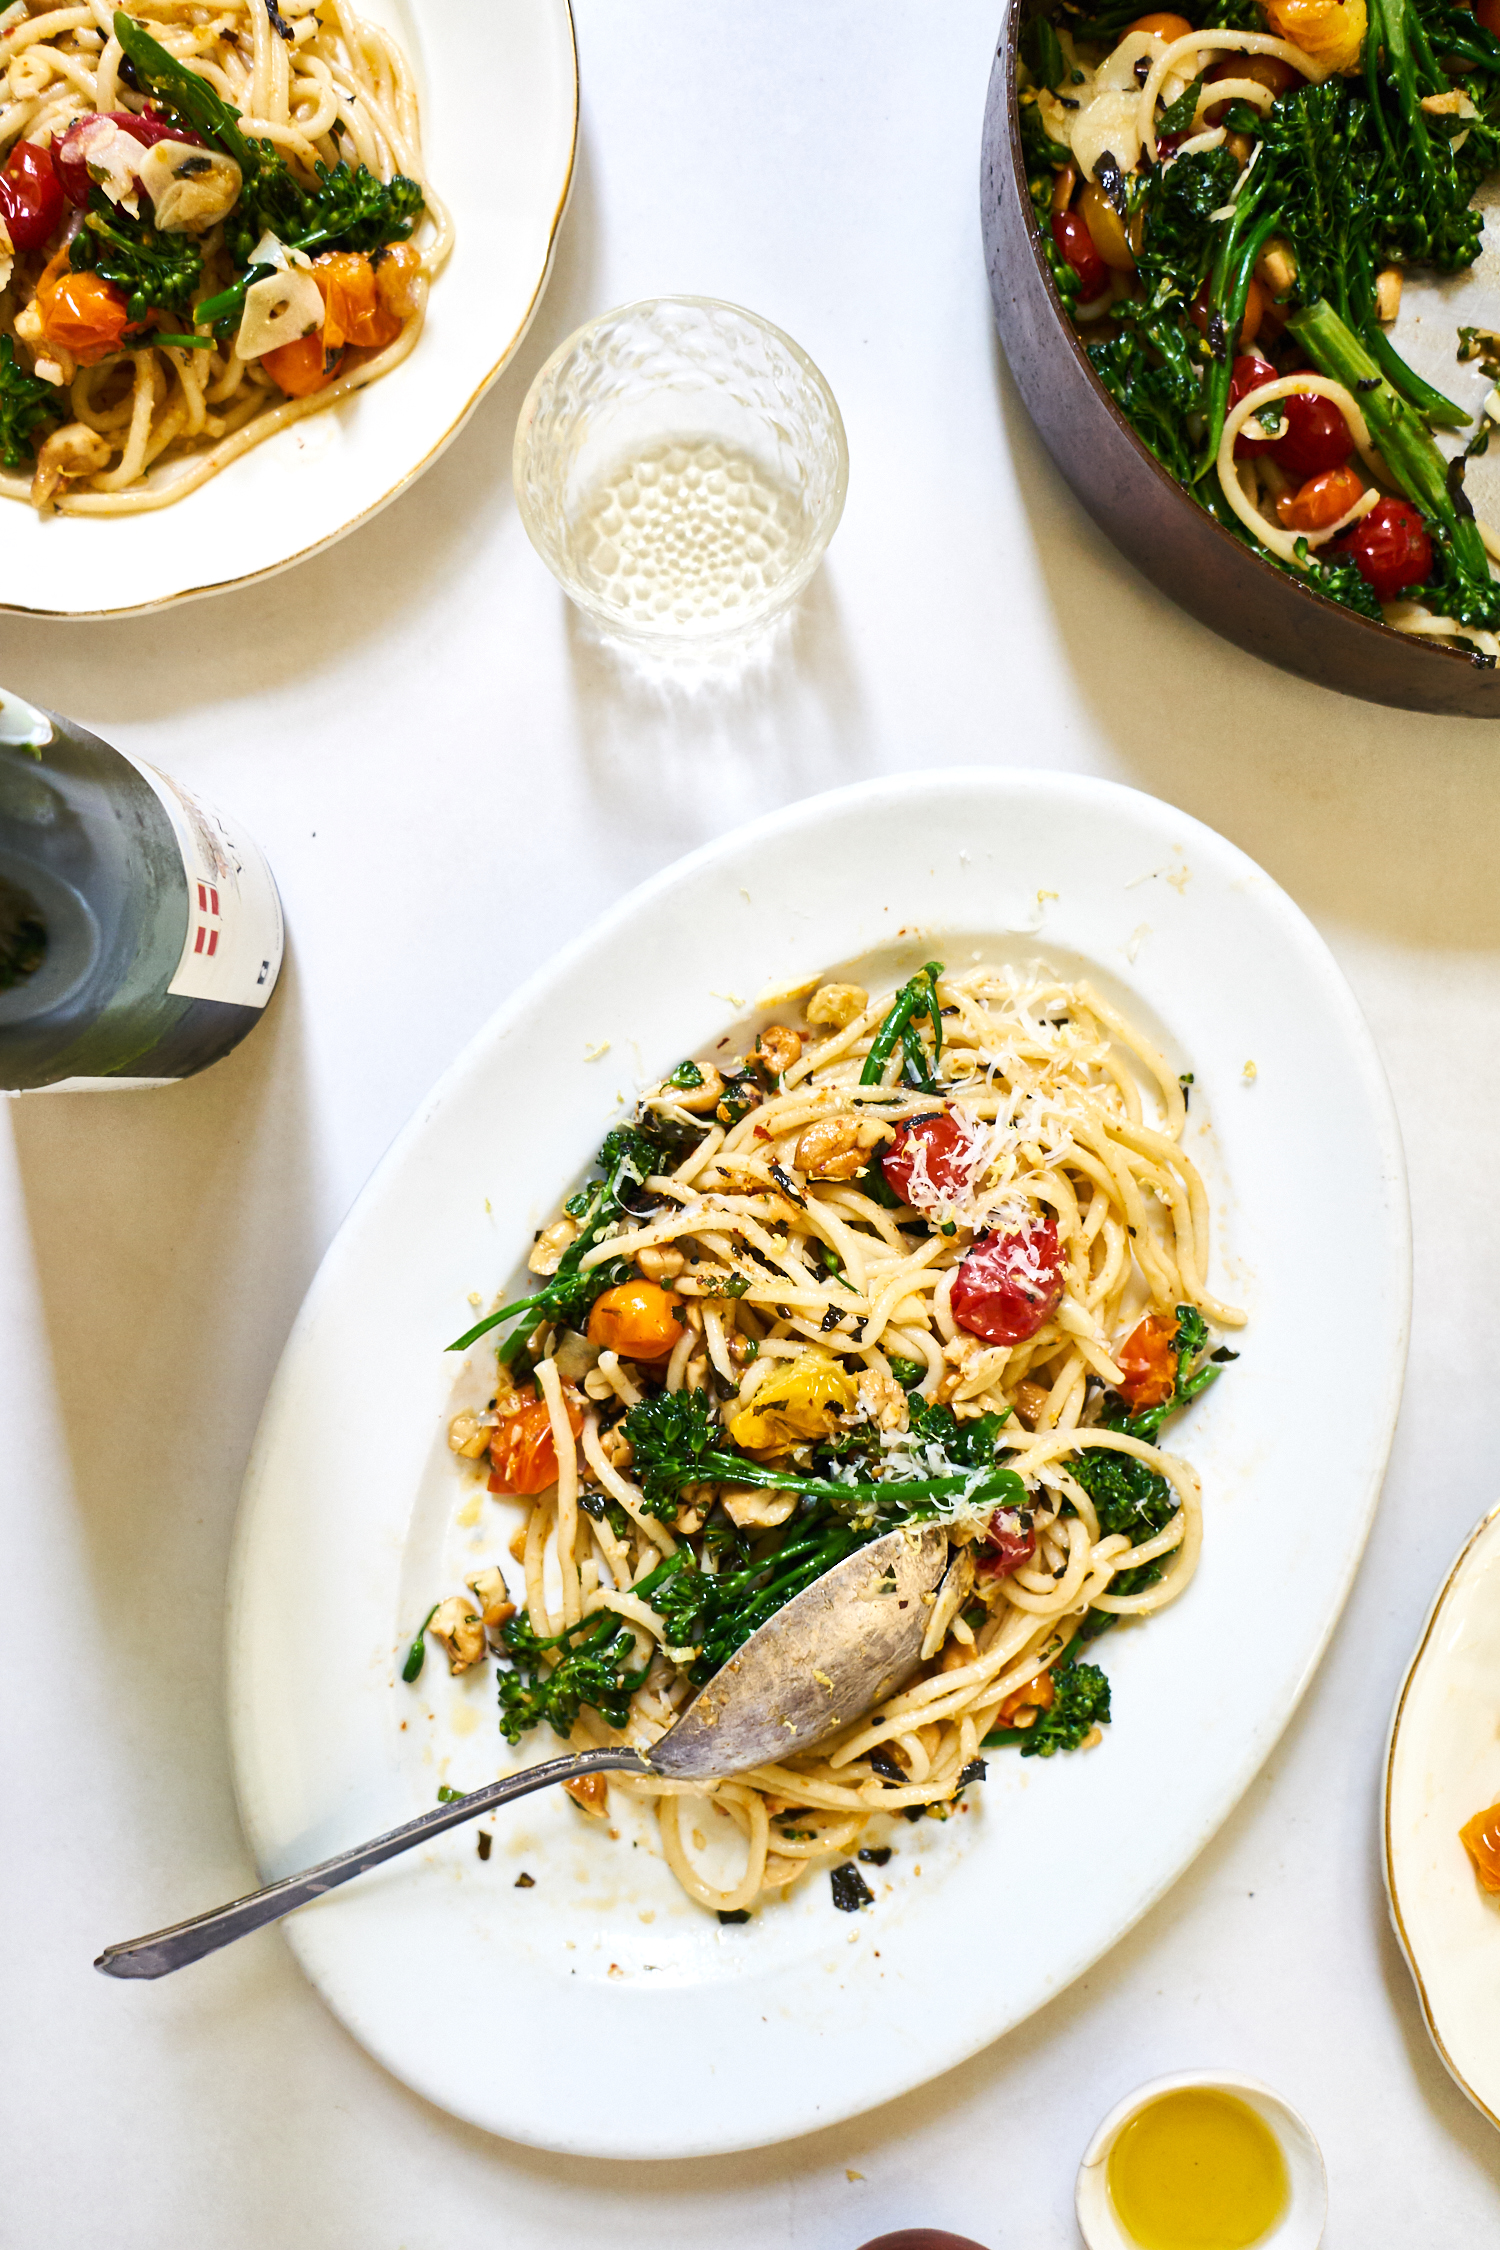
73, 451
1030, 1401
837, 1004
1387, 295
547, 1250
778, 1049
829, 1149
465, 1436
616, 1447
700, 1099
493, 1596
590, 1793
662, 1262
516, 1548
751, 1508
883, 1399
460, 1632
1276, 267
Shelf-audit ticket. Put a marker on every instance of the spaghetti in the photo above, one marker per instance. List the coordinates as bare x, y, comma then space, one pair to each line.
214, 221
937, 1255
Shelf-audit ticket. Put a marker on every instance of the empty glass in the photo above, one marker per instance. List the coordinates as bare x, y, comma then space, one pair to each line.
680, 466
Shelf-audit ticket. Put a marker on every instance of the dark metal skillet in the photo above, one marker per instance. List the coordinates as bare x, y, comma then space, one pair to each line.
852, 1638
1171, 540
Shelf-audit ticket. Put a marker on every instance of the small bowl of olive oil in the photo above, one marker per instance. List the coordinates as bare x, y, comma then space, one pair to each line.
1202, 2161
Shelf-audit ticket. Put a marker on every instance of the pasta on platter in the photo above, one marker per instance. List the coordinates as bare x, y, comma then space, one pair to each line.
939, 1255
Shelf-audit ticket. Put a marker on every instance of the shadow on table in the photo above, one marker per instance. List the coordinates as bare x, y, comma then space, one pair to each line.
1396, 830
288, 629
173, 1232
691, 757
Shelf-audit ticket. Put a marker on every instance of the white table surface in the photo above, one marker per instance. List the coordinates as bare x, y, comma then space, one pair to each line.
448, 779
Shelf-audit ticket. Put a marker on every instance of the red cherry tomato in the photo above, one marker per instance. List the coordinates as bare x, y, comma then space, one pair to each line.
946, 1148
1148, 1363
1389, 547
1008, 1284
31, 196
69, 155
1250, 373
1073, 239
1006, 1544
1317, 436
1487, 16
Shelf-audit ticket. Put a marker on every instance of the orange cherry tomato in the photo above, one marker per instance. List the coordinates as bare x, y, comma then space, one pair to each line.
1480, 1838
523, 1452
1148, 1363
82, 313
1321, 501
639, 1320
1487, 16
353, 311
303, 366
1250, 318
1167, 27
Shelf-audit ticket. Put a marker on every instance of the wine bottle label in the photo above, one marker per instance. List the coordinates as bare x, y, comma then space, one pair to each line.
234, 940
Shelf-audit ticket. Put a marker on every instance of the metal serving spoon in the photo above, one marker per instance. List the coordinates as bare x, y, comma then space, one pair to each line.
853, 1637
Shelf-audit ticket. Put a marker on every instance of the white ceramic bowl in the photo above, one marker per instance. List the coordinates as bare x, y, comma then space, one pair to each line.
507, 187
1301, 2224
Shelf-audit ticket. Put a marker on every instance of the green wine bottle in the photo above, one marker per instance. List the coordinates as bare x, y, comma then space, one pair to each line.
140, 934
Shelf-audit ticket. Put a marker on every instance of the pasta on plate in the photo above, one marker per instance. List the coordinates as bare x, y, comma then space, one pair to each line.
213, 222
935, 1255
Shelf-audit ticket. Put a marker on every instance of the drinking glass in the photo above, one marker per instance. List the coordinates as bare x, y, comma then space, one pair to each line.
680, 466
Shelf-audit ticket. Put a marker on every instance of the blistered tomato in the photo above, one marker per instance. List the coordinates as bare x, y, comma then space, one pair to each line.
1077, 246
302, 367
639, 1320
83, 313
1480, 1838
1147, 1361
1389, 548
523, 1452
353, 312
1321, 501
1316, 436
1007, 1285
1005, 1546
31, 196
936, 1151
70, 154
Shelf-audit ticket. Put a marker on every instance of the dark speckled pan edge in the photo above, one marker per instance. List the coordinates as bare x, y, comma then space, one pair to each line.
1170, 540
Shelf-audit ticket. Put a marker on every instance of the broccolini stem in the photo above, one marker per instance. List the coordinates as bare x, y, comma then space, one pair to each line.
1405, 444
1227, 293
1433, 405
918, 998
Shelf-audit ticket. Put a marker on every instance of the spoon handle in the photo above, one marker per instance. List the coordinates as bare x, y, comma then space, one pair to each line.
164, 1950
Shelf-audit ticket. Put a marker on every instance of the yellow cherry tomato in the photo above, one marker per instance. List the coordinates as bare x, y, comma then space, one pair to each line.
1332, 32
639, 1320
798, 1403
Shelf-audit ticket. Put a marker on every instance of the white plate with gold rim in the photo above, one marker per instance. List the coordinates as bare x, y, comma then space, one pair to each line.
498, 82
350, 1521
1442, 1767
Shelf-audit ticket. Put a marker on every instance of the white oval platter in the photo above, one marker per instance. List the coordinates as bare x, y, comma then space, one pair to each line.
508, 187
1442, 1767
483, 1994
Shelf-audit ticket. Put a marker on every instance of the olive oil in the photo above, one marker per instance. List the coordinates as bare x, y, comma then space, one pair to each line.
1197, 2170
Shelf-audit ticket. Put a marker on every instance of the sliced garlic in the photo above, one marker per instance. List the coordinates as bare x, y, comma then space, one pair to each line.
279, 308
190, 188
